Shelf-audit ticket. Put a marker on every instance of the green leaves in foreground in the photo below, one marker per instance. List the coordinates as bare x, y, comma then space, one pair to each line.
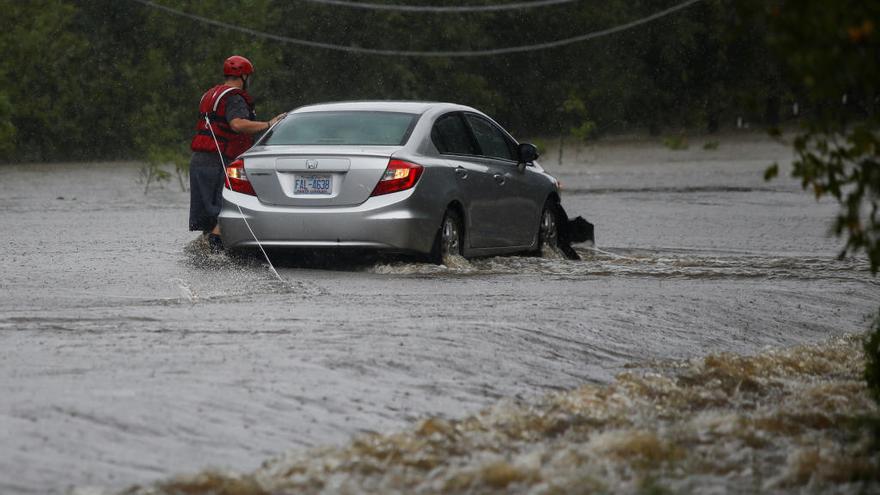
833, 51
845, 166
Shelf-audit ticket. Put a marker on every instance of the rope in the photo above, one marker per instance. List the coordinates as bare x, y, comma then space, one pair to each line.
240, 212
441, 9
418, 53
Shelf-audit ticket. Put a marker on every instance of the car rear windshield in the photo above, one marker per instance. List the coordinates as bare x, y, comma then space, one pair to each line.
343, 128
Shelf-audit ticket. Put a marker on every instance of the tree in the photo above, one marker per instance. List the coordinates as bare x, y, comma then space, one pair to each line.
832, 49
42, 57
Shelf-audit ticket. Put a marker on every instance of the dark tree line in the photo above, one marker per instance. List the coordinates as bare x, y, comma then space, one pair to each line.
94, 79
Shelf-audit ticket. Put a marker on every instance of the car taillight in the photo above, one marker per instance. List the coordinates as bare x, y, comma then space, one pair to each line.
237, 178
399, 176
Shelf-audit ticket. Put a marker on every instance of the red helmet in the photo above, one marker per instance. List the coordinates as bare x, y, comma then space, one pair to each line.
237, 66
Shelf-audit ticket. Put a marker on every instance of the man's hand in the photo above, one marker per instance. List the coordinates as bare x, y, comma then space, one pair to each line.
276, 118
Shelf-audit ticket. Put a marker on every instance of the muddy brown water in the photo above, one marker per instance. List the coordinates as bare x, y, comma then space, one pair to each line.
129, 355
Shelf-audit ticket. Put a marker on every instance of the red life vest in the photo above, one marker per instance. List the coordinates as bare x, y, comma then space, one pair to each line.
213, 105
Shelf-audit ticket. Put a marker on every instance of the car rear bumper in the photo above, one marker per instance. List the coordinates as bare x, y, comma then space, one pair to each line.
389, 222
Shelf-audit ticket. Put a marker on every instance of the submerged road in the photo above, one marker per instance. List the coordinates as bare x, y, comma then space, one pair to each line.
127, 354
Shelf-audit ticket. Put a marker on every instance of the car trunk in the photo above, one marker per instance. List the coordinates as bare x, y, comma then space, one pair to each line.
317, 175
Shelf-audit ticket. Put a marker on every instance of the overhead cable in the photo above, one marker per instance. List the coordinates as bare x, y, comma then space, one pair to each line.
442, 9
419, 53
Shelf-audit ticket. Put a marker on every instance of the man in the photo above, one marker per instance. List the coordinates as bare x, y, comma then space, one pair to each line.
230, 110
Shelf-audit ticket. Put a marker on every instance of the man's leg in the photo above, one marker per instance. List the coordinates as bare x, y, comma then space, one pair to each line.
214, 239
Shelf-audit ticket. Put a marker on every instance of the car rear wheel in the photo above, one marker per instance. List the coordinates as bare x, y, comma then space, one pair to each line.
450, 239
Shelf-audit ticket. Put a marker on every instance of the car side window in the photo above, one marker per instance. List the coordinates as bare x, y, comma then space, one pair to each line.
493, 143
450, 135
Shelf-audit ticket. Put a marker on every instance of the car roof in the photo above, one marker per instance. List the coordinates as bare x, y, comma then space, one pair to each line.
416, 107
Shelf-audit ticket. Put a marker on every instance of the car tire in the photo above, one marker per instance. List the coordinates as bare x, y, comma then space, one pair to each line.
548, 227
450, 237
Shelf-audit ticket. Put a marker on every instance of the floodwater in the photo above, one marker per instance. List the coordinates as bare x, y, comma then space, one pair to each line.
129, 355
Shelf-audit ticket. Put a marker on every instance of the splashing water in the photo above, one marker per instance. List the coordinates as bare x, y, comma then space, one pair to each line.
186, 291
776, 422
643, 263
250, 274
552, 253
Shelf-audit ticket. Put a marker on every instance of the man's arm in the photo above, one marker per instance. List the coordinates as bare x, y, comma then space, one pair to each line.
245, 126
237, 113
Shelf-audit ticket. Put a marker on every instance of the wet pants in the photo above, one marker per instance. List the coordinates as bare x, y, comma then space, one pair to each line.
206, 179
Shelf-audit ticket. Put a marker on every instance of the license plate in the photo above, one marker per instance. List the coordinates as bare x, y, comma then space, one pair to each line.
312, 184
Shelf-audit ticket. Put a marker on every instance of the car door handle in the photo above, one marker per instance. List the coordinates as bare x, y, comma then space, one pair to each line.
461, 172
499, 179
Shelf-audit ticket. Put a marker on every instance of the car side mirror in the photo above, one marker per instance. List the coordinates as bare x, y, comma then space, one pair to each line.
528, 153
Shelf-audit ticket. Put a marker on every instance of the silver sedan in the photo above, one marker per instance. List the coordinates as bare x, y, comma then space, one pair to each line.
434, 179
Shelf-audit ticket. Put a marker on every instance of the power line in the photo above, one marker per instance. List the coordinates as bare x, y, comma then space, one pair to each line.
442, 9
418, 53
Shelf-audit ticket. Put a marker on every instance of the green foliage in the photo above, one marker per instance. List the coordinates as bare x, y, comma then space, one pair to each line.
872, 358
833, 51
42, 57
541, 144
584, 132
7, 130
711, 145
158, 159
676, 143
581, 128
